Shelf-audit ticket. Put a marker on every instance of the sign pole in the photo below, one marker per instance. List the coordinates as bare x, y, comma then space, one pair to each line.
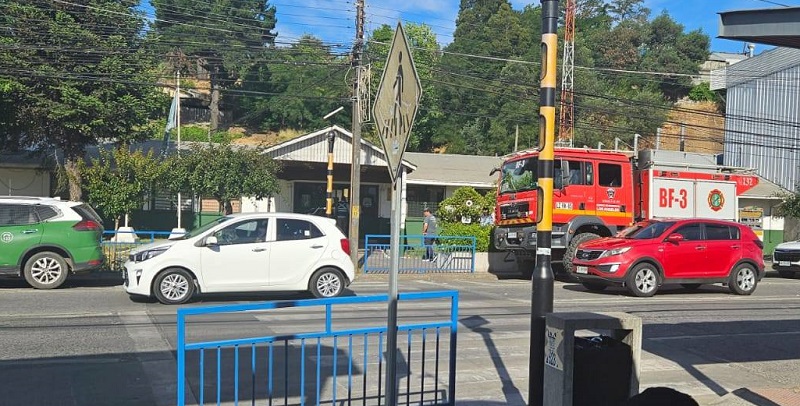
394, 269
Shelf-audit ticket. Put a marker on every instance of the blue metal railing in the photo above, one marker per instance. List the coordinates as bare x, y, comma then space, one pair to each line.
265, 369
117, 244
450, 254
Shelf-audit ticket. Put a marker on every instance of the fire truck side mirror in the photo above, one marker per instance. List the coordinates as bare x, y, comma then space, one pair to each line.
494, 170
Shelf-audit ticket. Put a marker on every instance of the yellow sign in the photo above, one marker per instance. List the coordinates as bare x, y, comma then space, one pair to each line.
355, 211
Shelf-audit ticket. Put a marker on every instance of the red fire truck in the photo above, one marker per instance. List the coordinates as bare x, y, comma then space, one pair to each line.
597, 193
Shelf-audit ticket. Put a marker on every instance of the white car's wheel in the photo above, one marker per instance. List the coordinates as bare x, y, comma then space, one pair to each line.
173, 286
327, 282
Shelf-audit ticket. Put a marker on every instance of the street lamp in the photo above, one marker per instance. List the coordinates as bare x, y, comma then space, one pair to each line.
331, 140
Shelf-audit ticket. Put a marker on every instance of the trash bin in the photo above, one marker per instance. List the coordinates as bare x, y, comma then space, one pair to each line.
597, 370
601, 372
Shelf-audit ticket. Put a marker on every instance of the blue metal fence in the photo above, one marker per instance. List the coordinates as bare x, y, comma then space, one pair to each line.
450, 254
273, 369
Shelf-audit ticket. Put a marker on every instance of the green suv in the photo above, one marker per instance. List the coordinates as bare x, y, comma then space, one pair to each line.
44, 239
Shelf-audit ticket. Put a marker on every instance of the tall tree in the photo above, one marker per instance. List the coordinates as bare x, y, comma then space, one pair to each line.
72, 74
469, 88
304, 82
228, 38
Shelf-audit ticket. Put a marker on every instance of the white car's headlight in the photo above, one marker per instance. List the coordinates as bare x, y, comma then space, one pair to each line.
615, 251
151, 253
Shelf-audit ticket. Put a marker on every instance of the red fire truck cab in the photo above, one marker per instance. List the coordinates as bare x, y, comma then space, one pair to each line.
597, 193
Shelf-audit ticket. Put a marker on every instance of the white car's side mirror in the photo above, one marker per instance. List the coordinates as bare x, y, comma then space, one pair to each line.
211, 240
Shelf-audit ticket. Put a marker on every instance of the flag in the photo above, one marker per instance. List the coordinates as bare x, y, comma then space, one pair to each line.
172, 121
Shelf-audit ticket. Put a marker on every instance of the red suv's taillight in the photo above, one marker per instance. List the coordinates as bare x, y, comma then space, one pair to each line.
87, 225
345, 245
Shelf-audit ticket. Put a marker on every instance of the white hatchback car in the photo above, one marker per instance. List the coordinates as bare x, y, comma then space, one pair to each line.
252, 252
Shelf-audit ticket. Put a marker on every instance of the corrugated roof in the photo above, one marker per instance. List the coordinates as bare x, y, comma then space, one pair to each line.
452, 170
764, 190
762, 65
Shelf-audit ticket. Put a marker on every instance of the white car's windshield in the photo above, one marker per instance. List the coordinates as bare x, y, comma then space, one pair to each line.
202, 229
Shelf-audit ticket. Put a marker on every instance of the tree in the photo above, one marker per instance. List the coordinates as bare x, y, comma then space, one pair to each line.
223, 172
790, 206
308, 82
68, 80
228, 38
117, 180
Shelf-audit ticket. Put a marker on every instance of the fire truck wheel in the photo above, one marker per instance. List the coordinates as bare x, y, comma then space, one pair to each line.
743, 280
572, 249
643, 280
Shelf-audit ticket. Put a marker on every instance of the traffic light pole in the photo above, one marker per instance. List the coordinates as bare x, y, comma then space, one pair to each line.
542, 281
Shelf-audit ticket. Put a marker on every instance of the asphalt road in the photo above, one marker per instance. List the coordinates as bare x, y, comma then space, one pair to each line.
89, 344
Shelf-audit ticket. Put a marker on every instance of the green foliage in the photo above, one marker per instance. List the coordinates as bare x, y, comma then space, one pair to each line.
56, 94
230, 42
465, 202
702, 92
200, 134
790, 206
223, 172
482, 234
117, 180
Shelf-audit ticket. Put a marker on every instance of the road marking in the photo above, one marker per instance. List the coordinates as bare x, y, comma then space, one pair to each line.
155, 355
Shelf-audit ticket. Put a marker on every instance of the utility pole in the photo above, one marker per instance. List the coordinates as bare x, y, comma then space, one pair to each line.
355, 163
542, 280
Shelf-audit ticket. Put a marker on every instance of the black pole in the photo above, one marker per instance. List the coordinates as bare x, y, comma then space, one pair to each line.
542, 281
329, 200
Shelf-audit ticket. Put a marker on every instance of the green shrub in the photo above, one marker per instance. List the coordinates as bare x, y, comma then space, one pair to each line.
192, 133
481, 234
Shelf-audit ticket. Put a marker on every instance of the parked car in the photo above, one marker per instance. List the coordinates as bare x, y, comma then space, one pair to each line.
690, 252
244, 253
44, 239
786, 259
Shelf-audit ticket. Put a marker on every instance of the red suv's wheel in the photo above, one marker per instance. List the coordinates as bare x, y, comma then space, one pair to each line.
743, 279
643, 280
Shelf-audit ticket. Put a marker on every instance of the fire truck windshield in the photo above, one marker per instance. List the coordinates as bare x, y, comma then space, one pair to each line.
519, 175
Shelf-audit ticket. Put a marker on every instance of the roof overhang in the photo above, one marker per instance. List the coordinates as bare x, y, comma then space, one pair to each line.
771, 26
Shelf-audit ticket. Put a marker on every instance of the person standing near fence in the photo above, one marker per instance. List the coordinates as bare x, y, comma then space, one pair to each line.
430, 232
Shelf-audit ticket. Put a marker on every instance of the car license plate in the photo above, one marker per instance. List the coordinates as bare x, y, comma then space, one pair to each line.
582, 269
512, 234
784, 263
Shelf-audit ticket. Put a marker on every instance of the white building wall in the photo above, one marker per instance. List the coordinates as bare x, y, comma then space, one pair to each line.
282, 202
24, 182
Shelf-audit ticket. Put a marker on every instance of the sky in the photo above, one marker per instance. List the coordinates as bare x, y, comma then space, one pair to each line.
333, 21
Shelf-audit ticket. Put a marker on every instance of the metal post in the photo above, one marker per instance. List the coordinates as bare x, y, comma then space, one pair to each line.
391, 326
329, 200
542, 280
355, 163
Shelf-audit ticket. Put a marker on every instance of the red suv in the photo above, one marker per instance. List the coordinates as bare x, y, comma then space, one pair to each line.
690, 252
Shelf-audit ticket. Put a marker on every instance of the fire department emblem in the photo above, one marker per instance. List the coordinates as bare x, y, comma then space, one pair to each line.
7, 237
716, 200
611, 193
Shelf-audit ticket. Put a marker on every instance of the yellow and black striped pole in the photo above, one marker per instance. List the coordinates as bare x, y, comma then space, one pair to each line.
329, 200
542, 280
